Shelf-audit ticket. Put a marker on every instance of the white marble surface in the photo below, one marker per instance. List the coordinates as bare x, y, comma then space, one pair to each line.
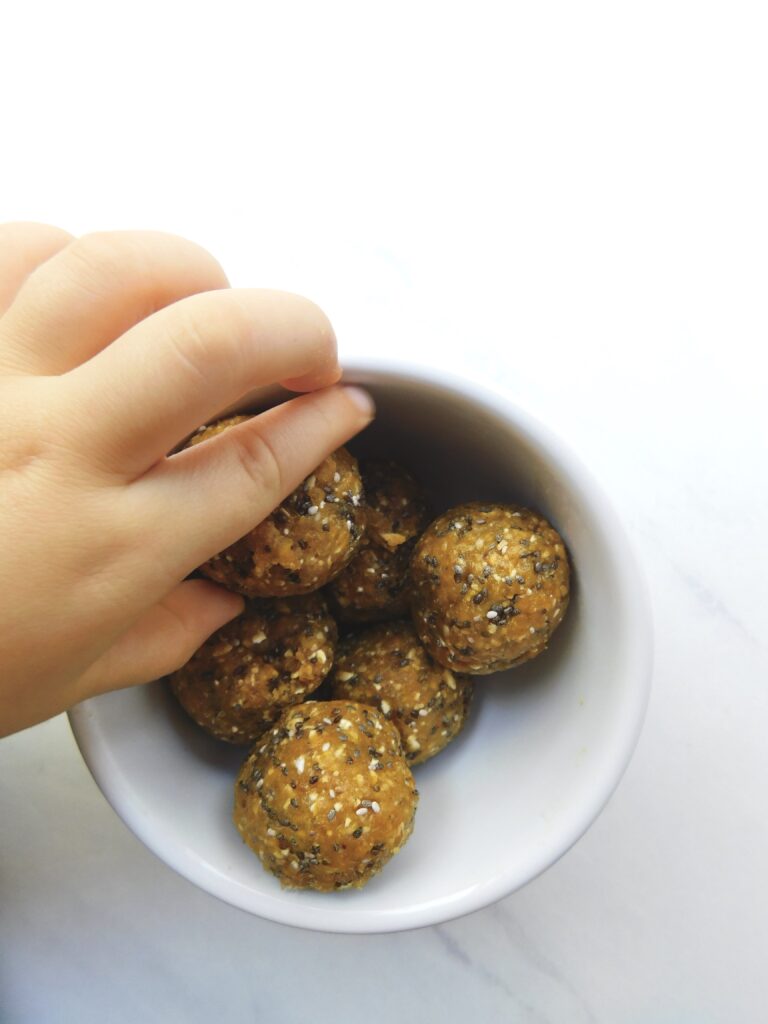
571, 200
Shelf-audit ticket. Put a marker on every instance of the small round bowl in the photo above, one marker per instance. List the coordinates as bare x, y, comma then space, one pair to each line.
545, 744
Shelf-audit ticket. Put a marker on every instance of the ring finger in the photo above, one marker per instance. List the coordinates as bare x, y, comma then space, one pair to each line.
93, 290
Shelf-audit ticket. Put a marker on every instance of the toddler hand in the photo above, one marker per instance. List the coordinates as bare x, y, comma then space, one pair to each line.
114, 347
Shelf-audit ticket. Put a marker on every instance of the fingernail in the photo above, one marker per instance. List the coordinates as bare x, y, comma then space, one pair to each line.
362, 400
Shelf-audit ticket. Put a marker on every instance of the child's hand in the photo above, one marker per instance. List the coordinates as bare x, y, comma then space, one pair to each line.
114, 347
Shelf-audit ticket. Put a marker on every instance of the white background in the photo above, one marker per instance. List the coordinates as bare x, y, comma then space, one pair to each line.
569, 199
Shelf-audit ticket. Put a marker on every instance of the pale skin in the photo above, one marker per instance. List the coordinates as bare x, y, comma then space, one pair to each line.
113, 348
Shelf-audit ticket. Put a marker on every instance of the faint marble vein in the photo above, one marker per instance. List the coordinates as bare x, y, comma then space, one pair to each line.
711, 602
512, 928
453, 948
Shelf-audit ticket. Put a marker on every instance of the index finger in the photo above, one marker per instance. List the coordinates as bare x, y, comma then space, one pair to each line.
181, 366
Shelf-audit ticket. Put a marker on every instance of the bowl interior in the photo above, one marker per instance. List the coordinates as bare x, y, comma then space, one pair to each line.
545, 743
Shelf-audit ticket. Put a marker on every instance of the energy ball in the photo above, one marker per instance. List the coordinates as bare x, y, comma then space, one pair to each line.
386, 666
273, 655
327, 797
490, 585
305, 542
375, 585
212, 429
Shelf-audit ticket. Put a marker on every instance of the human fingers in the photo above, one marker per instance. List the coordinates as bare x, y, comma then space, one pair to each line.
180, 367
24, 245
314, 381
96, 288
206, 497
163, 639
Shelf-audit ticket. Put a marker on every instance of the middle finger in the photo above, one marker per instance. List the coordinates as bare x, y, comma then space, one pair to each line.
94, 289
183, 365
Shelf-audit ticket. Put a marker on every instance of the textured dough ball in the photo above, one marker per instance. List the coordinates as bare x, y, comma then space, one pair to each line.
327, 797
273, 655
305, 542
375, 585
490, 585
212, 429
386, 666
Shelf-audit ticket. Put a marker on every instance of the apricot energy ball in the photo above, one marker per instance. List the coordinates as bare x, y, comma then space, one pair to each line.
327, 797
490, 585
386, 666
375, 585
305, 542
273, 655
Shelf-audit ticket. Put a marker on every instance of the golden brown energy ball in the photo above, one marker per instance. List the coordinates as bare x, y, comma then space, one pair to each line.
305, 542
212, 429
327, 797
375, 585
386, 666
274, 654
490, 585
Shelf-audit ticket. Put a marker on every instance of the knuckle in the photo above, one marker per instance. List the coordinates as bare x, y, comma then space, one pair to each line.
211, 327
203, 337
95, 248
147, 262
38, 440
259, 462
188, 343
93, 262
327, 414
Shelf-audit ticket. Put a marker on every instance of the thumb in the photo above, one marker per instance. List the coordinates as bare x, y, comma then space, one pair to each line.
163, 639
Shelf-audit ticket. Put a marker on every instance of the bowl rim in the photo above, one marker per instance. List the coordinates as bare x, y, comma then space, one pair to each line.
636, 671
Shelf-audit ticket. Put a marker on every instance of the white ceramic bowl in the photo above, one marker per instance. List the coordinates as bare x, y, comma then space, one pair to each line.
545, 744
